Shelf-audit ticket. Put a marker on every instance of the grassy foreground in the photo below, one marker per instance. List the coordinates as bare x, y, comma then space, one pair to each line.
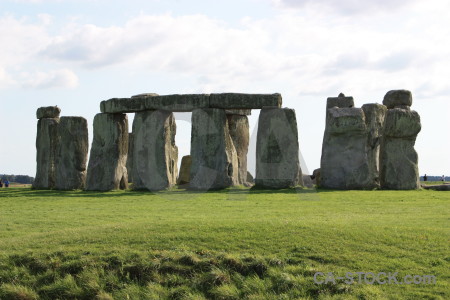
232, 244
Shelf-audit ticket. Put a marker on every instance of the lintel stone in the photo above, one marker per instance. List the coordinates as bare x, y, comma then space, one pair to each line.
244, 101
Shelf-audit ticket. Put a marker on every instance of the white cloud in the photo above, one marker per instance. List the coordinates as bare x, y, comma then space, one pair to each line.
349, 7
309, 53
63, 78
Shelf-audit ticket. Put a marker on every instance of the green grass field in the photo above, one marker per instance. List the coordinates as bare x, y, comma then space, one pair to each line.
231, 244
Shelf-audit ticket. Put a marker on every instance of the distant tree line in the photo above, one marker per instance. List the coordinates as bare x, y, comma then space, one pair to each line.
24, 179
435, 178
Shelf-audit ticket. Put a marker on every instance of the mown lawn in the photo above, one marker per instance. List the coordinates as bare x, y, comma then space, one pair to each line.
231, 244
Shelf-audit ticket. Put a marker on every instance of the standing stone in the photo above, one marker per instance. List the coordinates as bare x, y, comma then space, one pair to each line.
316, 177
71, 154
277, 149
46, 144
214, 158
185, 170
130, 156
239, 132
107, 162
344, 162
375, 115
155, 155
398, 159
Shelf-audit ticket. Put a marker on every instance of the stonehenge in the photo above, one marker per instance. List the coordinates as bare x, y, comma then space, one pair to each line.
107, 168
71, 153
277, 150
155, 155
398, 158
214, 157
185, 170
46, 143
363, 148
344, 163
239, 133
370, 147
62, 150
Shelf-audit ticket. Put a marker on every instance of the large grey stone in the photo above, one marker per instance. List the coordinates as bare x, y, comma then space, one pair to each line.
214, 158
185, 170
375, 115
46, 145
122, 105
277, 149
48, 112
71, 154
107, 162
344, 162
398, 158
239, 132
155, 156
130, 156
340, 101
398, 98
177, 103
316, 177
402, 123
244, 101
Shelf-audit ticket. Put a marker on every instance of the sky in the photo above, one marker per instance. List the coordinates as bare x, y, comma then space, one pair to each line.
75, 54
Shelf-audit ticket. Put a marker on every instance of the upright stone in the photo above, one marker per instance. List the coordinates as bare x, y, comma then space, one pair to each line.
107, 162
130, 156
239, 132
277, 149
214, 158
375, 115
344, 162
155, 155
398, 159
71, 154
46, 144
185, 170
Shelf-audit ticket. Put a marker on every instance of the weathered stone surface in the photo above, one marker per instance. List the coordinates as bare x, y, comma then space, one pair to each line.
122, 105
71, 154
239, 132
177, 103
340, 101
402, 123
395, 98
344, 162
244, 101
375, 115
155, 156
307, 181
46, 144
277, 149
250, 178
185, 170
48, 112
214, 158
107, 162
316, 177
130, 156
241, 112
398, 159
